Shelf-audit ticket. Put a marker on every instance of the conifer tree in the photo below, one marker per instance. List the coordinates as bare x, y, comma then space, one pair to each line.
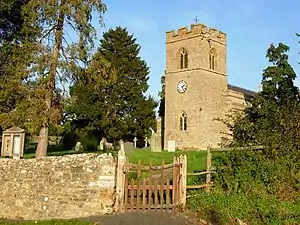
272, 119
120, 109
16, 52
161, 110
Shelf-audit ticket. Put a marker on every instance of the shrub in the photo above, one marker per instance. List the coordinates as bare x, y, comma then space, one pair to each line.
220, 208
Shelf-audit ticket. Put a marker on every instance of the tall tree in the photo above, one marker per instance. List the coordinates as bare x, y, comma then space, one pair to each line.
129, 108
57, 55
120, 109
17, 50
270, 120
161, 110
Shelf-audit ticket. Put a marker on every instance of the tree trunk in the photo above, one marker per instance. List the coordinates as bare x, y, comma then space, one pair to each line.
42, 143
42, 146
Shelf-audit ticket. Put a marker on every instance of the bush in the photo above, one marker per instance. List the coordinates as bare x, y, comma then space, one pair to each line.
219, 208
249, 171
89, 141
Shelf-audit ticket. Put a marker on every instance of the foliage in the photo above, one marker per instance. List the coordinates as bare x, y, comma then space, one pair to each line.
161, 110
116, 107
262, 184
54, 58
16, 52
270, 121
220, 209
249, 171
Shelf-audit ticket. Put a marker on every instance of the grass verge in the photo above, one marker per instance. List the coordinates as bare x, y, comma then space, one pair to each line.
260, 210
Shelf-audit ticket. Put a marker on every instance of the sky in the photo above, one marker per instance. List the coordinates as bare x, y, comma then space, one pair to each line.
251, 26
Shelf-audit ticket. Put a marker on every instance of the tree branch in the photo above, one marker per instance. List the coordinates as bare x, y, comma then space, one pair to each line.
47, 33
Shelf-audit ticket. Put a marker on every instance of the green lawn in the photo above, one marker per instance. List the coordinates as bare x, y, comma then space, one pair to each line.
52, 151
196, 162
196, 159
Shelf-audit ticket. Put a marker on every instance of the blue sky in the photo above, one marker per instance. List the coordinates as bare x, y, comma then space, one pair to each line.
251, 26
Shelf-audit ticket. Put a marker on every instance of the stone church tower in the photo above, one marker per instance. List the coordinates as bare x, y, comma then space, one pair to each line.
196, 88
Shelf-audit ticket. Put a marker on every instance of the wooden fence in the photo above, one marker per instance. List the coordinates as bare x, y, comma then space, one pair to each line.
164, 187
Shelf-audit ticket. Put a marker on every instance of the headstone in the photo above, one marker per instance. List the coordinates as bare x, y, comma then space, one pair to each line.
102, 144
146, 142
155, 143
134, 141
122, 146
78, 147
171, 146
128, 147
108, 145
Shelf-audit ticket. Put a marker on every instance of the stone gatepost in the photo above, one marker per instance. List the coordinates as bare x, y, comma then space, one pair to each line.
122, 146
120, 183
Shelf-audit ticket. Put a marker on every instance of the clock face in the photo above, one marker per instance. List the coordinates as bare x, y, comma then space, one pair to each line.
181, 86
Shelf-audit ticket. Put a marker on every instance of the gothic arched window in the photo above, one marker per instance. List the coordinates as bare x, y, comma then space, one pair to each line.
183, 59
212, 59
183, 122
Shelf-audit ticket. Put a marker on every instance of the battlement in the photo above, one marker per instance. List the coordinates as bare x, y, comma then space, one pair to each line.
196, 30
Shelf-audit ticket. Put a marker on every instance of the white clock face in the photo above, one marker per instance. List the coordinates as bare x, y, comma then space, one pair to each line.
181, 86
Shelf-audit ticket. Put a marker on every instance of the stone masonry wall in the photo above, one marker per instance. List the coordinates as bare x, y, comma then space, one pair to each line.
64, 187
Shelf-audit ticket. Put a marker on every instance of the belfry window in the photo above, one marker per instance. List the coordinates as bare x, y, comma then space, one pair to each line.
212, 59
183, 59
183, 122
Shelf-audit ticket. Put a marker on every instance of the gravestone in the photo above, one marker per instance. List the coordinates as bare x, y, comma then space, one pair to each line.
146, 142
102, 144
121, 142
155, 143
78, 147
108, 146
171, 146
128, 147
134, 141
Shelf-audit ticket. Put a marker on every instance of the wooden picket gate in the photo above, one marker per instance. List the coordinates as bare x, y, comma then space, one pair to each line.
148, 187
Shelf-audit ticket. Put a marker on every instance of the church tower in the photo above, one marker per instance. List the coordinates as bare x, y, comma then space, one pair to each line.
195, 87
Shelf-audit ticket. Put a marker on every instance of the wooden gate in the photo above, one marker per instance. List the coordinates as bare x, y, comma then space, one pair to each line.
148, 187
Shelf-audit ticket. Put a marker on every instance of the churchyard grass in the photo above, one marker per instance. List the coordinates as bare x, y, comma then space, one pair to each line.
196, 159
52, 151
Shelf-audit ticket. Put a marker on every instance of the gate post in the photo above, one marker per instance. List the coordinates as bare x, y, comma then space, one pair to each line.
208, 169
183, 177
120, 183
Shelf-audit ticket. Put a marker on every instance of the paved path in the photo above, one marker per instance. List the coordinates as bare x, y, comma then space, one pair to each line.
142, 218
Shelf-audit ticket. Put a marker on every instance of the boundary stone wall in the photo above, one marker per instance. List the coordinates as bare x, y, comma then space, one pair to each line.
64, 187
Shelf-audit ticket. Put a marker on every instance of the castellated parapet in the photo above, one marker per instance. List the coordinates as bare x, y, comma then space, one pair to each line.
196, 30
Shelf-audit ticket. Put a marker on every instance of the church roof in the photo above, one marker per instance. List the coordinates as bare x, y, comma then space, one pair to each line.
242, 90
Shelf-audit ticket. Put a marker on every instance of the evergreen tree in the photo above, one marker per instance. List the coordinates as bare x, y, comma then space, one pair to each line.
16, 52
271, 120
161, 110
119, 109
